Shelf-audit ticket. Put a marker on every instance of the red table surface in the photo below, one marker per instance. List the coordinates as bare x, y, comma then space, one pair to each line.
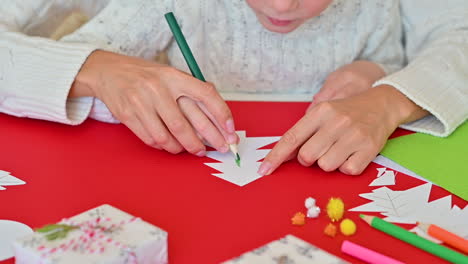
72, 169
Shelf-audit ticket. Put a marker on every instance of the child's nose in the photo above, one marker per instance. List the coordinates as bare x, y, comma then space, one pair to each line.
282, 6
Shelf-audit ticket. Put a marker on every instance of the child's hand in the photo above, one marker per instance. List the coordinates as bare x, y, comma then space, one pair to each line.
349, 80
166, 108
345, 133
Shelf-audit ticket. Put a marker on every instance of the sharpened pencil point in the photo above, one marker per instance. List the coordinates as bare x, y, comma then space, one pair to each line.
238, 159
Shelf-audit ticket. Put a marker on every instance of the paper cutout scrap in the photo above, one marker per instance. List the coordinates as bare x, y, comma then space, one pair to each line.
10, 231
384, 177
6, 179
250, 155
443, 161
411, 206
386, 162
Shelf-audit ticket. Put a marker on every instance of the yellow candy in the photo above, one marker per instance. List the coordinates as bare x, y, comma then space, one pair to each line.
347, 227
335, 209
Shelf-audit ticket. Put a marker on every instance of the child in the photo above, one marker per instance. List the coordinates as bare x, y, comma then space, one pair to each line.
272, 48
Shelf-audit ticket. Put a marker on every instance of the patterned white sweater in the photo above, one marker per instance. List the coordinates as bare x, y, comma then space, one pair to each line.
236, 53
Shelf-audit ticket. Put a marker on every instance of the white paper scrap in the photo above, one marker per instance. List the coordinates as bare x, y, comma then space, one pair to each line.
384, 177
384, 161
250, 155
8, 180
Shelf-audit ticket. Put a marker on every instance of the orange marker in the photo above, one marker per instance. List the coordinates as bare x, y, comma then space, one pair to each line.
446, 236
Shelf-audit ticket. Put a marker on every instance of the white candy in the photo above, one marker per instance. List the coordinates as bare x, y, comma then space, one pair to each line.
309, 202
313, 212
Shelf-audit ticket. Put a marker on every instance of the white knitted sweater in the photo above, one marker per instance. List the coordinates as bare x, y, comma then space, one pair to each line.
235, 52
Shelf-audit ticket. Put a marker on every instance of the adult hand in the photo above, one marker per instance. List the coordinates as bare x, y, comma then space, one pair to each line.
166, 108
348, 80
344, 134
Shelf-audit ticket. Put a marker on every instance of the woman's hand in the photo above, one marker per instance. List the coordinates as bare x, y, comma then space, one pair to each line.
166, 108
344, 134
349, 80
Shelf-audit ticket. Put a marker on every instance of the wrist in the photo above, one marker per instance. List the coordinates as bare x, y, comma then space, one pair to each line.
400, 108
85, 79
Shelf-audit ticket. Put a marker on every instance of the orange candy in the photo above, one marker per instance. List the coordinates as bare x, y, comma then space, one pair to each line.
298, 219
330, 230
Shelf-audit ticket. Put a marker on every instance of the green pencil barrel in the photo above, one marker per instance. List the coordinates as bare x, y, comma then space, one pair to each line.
184, 47
419, 242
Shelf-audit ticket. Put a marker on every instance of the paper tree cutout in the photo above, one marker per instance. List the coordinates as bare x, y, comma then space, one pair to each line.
411, 206
384, 177
250, 155
7, 180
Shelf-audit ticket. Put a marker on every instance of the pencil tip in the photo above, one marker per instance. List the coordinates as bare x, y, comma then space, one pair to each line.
362, 216
238, 159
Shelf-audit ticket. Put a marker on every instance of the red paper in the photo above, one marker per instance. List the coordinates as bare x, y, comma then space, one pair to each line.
71, 169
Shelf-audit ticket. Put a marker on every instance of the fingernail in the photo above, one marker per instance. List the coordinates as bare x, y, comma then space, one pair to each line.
232, 139
264, 169
201, 153
224, 149
230, 126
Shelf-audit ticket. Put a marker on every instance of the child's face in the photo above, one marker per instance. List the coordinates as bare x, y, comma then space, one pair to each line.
284, 16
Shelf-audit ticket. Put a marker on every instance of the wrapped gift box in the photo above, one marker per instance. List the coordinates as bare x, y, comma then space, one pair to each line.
100, 235
286, 250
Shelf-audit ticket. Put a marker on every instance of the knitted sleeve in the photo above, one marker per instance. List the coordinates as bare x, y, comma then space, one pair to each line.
135, 28
36, 73
437, 75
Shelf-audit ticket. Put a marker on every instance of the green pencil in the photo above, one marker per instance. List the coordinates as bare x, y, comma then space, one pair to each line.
414, 239
191, 62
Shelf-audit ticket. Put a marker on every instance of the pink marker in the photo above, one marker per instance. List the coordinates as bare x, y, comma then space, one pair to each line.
366, 254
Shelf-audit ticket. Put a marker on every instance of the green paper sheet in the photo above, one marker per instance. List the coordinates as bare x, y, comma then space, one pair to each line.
444, 161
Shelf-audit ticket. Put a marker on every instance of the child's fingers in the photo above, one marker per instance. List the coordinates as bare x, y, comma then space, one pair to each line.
319, 144
357, 162
337, 155
289, 142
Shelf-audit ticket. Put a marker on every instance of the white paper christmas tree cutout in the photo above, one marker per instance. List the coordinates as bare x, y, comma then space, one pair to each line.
8, 180
384, 177
250, 155
411, 206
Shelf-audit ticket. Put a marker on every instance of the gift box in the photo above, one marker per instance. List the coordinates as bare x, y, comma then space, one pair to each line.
286, 250
101, 235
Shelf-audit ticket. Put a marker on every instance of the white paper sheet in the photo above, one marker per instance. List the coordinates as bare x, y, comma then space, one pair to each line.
9, 232
8, 180
412, 205
250, 155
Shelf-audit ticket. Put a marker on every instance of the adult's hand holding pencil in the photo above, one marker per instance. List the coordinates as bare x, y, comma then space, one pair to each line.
166, 108
196, 72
